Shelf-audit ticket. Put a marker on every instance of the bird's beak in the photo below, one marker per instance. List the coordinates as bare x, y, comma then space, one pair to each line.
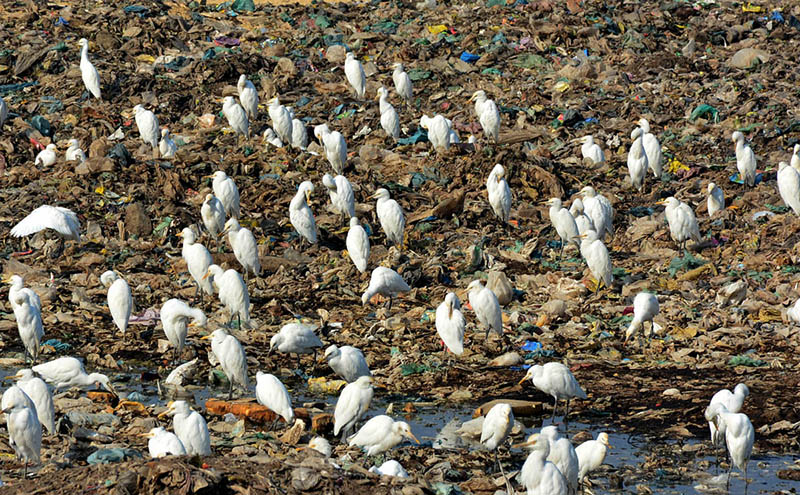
206, 337
582, 236
163, 414
208, 177
146, 435
373, 196
110, 388
450, 313
193, 324
378, 96
6, 280
524, 444
206, 276
662, 202
179, 234
308, 197
523, 380
5, 411
472, 98
14, 377
413, 437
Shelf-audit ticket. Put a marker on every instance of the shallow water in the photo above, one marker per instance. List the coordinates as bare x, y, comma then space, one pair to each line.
626, 457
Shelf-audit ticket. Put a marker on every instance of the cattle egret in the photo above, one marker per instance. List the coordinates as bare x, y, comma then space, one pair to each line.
3, 111
244, 245
29, 324
147, 123
47, 156
300, 214
390, 468
486, 306
739, 436
355, 75
62, 220
89, 75
681, 220
595, 253
402, 83
226, 191
733, 402
270, 392
499, 193
563, 455
248, 97
386, 282
488, 115
645, 308
190, 427
599, 209
236, 116
181, 373
789, 186
295, 338
591, 455
794, 312
555, 380
74, 152
390, 216
232, 292
496, 428
281, 120
272, 138
320, 445
652, 148
213, 214
358, 245
18, 286
795, 162
166, 146
176, 318
450, 324
231, 357
390, 121
352, 404
564, 223
335, 147
637, 159
716, 199
348, 362
582, 221
591, 150
745, 160
540, 475
67, 372
299, 132
380, 434
438, 129
36, 389
24, 429
198, 259
162, 443
120, 300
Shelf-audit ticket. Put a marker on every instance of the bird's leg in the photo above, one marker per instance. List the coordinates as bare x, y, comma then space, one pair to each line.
566, 415
238, 319
298, 364
274, 423
555, 407
508, 486
314, 365
197, 293
25, 470
230, 389
728, 480
746, 481
389, 304
561, 254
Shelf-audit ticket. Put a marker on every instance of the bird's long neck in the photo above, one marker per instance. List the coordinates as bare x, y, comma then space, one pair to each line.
85, 53
384, 103
299, 200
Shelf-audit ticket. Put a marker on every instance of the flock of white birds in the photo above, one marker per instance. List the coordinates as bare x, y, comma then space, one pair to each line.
553, 466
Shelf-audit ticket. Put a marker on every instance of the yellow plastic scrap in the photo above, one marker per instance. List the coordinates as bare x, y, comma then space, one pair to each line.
561, 86
100, 190
749, 7
440, 28
675, 165
322, 385
145, 58
769, 314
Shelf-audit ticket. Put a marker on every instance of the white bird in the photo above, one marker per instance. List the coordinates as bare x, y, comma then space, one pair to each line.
299, 132
380, 434
272, 138
226, 191
190, 427
198, 259
599, 209
390, 121
213, 214
74, 152
488, 115
147, 123
795, 162
716, 200
281, 120
355, 75
438, 131
231, 357
652, 148
233, 293
68, 372
348, 362
358, 245
450, 324
745, 160
563, 455
181, 373
539, 475
496, 428
564, 223
789, 186
595, 253
38, 392
89, 75
237, 118
591, 454
353, 403
335, 147
386, 282
47, 156
244, 245
24, 429
120, 300
555, 380
18, 286
637, 159
390, 216
248, 97
591, 150
3, 111
29, 324
321, 445
499, 193
582, 220
486, 306
390, 468
167, 147
681, 220
62, 220
402, 83
739, 436
295, 338
162, 443
176, 318
733, 402
645, 308
270, 392
300, 214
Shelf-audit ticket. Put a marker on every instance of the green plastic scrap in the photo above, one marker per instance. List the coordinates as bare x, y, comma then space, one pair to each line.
492, 71
703, 111
414, 368
417, 74
157, 231
106, 456
745, 360
243, 6
441, 488
529, 60
686, 263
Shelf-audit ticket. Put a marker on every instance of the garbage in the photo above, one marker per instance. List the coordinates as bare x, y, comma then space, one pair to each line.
106, 456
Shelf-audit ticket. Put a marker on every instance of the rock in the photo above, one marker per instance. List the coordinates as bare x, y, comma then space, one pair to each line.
336, 54
136, 220
747, 58
499, 284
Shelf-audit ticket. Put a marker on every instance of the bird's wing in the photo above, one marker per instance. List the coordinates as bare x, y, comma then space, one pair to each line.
347, 408
198, 433
236, 358
374, 431
43, 217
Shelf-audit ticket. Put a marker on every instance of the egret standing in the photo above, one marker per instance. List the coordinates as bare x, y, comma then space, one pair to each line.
335, 147
789, 186
347, 362
745, 160
499, 193
438, 131
91, 79
595, 253
386, 282
120, 300
682, 222
591, 455
564, 223
488, 115
190, 427
486, 306
341, 193
739, 436
390, 121
380, 434
176, 318
352, 404
226, 191
147, 123
24, 429
300, 214
555, 380
496, 428
270, 392
198, 259
213, 214
236, 116
248, 96
244, 246
281, 120
715, 201
402, 83
450, 324
232, 292
599, 209
591, 150
36, 389
637, 159
390, 216
29, 324
355, 75
358, 245
645, 308
652, 148
231, 357
166, 146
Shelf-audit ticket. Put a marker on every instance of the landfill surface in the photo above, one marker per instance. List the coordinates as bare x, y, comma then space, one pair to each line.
698, 71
